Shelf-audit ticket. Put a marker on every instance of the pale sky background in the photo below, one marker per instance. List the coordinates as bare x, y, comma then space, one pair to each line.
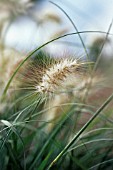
88, 15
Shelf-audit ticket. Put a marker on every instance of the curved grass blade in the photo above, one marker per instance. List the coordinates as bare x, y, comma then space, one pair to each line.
5, 122
99, 56
75, 27
89, 142
37, 49
44, 162
51, 136
13, 156
110, 160
81, 131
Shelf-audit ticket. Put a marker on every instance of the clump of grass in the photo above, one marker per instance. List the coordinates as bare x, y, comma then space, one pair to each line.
66, 132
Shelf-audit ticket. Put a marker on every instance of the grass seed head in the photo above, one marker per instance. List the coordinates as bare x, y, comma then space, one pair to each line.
55, 75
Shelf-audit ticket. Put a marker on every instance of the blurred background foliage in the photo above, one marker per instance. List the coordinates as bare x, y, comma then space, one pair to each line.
33, 132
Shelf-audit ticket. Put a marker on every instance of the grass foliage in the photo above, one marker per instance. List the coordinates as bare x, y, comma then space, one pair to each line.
71, 128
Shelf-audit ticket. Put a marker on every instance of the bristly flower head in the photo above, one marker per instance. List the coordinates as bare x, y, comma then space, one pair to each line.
47, 76
54, 75
53, 78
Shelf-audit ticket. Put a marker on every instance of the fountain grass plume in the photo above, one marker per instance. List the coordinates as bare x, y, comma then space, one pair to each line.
47, 76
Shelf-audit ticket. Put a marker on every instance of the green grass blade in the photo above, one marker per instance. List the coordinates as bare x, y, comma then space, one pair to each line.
75, 27
44, 162
37, 49
81, 131
52, 135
